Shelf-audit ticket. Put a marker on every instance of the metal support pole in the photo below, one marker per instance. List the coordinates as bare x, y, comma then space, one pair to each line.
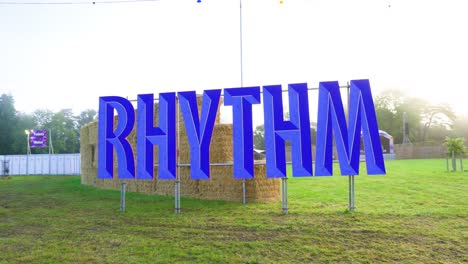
177, 182
241, 45
351, 205
244, 198
28, 151
177, 196
50, 151
122, 196
284, 195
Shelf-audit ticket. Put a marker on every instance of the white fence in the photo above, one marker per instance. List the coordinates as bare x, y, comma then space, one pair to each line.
40, 164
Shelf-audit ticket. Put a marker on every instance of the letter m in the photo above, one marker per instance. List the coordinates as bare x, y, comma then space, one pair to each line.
361, 118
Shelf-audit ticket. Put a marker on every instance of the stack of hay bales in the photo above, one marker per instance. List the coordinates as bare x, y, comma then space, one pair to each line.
221, 185
88, 150
261, 188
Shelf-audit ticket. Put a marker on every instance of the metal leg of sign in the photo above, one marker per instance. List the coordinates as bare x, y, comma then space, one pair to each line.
122, 196
177, 181
177, 196
244, 199
284, 195
447, 163
351, 205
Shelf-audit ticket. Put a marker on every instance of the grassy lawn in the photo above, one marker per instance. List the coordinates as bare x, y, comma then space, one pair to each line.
415, 214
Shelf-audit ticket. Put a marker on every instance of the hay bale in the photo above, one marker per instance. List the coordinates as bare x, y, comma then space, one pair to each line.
188, 187
221, 144
92, 133
263, 189
131, 185
94, 152
220, 148
86, 156
146, 186
221, 186
84, 135
85, 153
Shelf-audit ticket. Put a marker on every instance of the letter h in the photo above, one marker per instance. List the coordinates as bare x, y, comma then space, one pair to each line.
277, 130
164, 136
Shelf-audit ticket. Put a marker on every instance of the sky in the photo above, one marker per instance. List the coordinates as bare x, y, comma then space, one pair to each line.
66, 56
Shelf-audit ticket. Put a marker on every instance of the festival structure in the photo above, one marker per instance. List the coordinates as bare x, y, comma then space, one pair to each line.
220, 186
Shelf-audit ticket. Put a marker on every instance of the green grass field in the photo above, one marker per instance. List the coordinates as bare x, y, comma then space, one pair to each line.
417, 213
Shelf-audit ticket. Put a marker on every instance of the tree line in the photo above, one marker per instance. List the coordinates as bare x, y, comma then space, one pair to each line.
427, 123
63, 127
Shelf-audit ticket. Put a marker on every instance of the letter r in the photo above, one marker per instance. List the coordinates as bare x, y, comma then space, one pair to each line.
108, 139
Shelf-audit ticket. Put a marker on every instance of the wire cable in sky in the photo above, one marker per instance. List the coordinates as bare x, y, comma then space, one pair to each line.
77, 2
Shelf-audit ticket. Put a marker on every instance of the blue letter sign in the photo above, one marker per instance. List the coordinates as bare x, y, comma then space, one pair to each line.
241, 100
331, 115
108, 139
331, 122
199, 130
277, 130
164, 136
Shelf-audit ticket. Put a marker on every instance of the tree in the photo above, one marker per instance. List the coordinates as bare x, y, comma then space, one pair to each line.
441, 114
24, 122
390, 106
8, 121
259, 137
455, 147
427, 122
62, 127
42, 118
64, 132
460, 127
85, 117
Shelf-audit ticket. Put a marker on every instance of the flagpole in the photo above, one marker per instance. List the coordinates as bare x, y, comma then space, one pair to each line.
241, 45
28, 151
50, 156
244, 200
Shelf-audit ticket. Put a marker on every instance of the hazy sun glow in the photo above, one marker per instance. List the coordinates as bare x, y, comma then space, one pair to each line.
66, 56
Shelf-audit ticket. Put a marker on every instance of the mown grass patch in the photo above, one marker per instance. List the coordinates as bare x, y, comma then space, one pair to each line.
416, 213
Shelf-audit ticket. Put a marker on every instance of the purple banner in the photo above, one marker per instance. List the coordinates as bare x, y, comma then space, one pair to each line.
38, 138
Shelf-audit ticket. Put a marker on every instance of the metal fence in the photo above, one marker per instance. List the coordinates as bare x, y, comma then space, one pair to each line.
41, 164
420, 151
